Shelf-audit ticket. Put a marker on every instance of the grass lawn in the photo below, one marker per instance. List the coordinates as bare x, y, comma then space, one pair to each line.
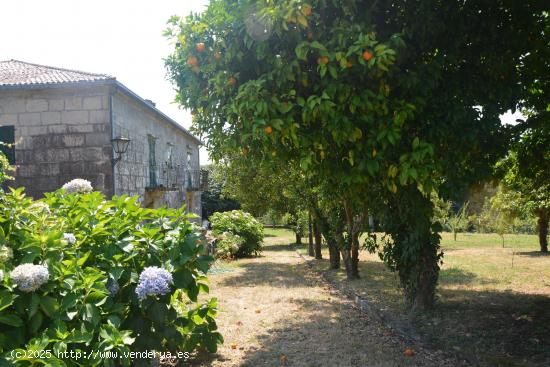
493, 301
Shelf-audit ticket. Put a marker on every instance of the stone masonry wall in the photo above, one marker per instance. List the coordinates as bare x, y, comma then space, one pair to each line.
137, 122
60, 134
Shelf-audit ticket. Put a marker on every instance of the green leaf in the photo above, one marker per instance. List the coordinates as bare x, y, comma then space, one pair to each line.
91, 314
318, 46
6, 299
35, 322
33, 307
48, 305
11, 320
182, 278
333, 72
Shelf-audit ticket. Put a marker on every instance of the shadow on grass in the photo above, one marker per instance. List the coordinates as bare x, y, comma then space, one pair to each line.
533, 253
269, 273
489, 328
456, 276
282, 247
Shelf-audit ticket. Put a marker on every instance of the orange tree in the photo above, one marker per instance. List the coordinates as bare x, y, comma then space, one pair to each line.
377, 102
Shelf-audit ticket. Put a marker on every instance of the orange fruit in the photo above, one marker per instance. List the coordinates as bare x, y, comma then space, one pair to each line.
324, 60
408, 352
200, 47
232, 81
268, 129
217, 55
367, 55
306, 10
349, 64
192, 60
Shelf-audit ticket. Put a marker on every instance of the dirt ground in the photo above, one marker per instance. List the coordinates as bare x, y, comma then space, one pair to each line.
275, 311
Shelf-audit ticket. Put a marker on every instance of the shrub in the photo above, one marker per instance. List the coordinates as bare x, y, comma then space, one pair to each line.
82, 274
228, 245
243, 225
298, 222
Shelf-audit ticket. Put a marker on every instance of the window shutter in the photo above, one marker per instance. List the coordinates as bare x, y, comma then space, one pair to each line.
7, 137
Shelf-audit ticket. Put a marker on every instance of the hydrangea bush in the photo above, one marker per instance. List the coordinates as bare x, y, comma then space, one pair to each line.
129, 283
243, 225
228, 245
78, 186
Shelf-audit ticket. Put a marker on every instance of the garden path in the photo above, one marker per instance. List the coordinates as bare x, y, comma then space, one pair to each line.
274, 311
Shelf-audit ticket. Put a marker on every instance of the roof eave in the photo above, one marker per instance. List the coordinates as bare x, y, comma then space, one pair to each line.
57, 85
152, 108
107, 82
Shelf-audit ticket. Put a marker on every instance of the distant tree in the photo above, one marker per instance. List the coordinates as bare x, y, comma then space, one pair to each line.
458, 221
213, 199
527, 174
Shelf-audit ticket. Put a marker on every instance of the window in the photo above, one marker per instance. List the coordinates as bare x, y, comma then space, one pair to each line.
7, 137
152, 161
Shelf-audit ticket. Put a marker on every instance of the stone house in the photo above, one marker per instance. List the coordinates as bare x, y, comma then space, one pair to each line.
60, 125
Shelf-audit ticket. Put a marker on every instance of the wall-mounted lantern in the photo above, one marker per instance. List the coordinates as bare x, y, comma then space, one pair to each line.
120, 146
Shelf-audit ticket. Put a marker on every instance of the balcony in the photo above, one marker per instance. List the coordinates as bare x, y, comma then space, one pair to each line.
172, 178
196, 180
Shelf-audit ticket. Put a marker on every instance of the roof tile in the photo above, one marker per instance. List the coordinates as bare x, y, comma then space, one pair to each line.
14, 72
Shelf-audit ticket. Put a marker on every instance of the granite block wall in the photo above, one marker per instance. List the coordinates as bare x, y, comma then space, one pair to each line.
60, 134
133, 172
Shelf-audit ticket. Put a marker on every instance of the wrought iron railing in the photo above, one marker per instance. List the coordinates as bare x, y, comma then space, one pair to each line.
193, 179
178, 177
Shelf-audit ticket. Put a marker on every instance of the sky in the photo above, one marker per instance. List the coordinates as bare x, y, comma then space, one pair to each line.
122, 38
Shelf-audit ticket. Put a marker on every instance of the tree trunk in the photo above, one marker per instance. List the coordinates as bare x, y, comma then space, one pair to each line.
350, 248
425, 293
416, 250
318, 241
333, 251
454, 235
310, 249
355, 257
350, 255
543, 232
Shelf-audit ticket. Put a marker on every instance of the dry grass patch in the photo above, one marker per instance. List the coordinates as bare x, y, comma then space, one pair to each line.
274, 311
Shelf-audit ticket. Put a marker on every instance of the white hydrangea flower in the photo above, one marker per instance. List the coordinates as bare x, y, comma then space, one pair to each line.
1, 275
70, 238
78, 185
40, 207
6, 253
29, 277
